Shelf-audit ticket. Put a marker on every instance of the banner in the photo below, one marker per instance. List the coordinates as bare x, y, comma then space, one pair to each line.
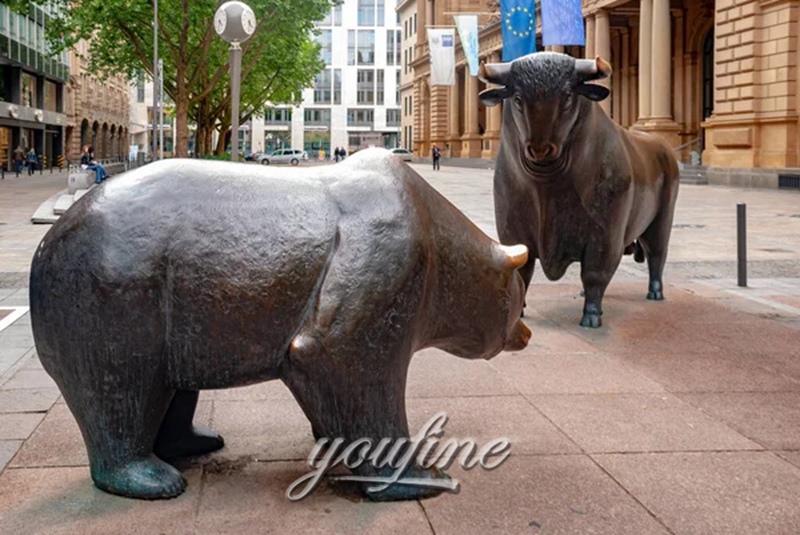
562, 23
519, 28
443, 56
468, 33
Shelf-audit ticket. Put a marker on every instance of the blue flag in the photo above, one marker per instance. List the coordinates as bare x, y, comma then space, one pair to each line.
519, 28
562, 23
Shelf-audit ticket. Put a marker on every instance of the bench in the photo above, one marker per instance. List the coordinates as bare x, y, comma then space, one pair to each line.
84, 178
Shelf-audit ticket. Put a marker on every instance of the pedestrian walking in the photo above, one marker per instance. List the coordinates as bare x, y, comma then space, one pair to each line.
19, 159
336, 154
31, 161
437, 154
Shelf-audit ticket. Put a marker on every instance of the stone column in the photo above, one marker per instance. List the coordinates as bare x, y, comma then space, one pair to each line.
645, 57
678, 85
590, 36
494, 118
603, 49
625, 73
454, 136
661, 71
471, 141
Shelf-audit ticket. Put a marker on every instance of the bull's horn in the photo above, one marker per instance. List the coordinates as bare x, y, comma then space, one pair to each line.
517, 255
494, 73
592, 69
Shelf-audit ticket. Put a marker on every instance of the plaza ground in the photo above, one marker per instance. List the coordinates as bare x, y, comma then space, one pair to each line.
676, 417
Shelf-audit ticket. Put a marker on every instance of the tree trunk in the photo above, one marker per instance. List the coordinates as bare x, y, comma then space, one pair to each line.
181, 116
224, 137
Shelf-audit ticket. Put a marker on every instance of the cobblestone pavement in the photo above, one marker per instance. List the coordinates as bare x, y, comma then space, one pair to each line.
678, 417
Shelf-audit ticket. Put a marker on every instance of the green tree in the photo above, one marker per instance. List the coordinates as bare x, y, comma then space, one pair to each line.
278, 61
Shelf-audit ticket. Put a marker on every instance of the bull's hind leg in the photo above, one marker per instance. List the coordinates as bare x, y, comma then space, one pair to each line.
352, 396
119, 410
178, 437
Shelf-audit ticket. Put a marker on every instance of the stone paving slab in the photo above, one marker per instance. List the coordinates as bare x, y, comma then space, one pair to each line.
561, 494
63, 501
251, 499
771, 419
638, 423
729, 493
28, 400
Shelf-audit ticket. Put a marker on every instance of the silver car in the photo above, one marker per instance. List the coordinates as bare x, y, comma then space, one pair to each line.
404, 155
292, 156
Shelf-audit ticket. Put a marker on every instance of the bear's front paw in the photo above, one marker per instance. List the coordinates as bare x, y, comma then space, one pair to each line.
147, 479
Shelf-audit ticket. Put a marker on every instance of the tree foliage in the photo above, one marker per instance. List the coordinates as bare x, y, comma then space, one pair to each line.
278, 61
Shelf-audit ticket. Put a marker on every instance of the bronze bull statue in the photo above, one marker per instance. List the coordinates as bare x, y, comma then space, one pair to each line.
186, 275
570, 183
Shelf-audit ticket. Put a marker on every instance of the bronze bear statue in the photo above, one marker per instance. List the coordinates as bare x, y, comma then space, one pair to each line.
186, 275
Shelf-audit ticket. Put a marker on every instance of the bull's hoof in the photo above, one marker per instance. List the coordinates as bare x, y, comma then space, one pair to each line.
655, 292
199, 441
591, 320
145, 479
404, 491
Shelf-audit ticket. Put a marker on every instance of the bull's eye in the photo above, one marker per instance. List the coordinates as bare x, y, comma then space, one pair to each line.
518, 100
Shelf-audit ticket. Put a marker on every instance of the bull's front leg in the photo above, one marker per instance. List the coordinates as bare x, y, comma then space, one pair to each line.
598, 266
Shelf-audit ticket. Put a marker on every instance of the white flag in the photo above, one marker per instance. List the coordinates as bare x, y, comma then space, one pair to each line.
468, 32
443, 56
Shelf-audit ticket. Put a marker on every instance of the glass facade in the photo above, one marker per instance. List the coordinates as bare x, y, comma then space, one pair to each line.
22, 41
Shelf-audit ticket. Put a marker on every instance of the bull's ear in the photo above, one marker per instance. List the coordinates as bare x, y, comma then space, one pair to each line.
493, 97
593, 91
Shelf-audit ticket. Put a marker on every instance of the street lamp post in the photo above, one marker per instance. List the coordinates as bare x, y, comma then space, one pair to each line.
155, 78
161, 106
235, 22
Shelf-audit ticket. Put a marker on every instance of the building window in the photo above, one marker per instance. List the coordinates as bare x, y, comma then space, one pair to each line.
366, 12
325, 41
393, 117
397, 48
351, 47
366, 47
50, 95
379, 89
140, 87
322, 87
317, 117
337, 86
414, 28
397, 88
337, 15
278, 116
359, 117
354, 141
390, 47
28, 90
381, 7
365, 86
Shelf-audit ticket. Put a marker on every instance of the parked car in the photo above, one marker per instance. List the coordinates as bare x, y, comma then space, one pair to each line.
405, 155
292, 156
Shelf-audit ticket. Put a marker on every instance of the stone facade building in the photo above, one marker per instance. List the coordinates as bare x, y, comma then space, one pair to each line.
718, 79
98, 112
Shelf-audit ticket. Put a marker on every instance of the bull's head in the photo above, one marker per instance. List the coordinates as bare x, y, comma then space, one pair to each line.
543, 91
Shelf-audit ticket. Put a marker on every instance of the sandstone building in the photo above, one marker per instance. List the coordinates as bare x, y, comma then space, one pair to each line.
98, 112
718, 79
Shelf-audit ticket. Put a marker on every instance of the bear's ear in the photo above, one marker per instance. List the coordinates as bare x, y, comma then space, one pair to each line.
493, 97
515, 256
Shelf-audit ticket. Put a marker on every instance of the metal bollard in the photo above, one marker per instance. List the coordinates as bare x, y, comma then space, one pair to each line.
741, 243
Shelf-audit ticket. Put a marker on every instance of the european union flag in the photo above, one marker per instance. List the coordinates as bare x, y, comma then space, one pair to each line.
562, 23
519, 28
